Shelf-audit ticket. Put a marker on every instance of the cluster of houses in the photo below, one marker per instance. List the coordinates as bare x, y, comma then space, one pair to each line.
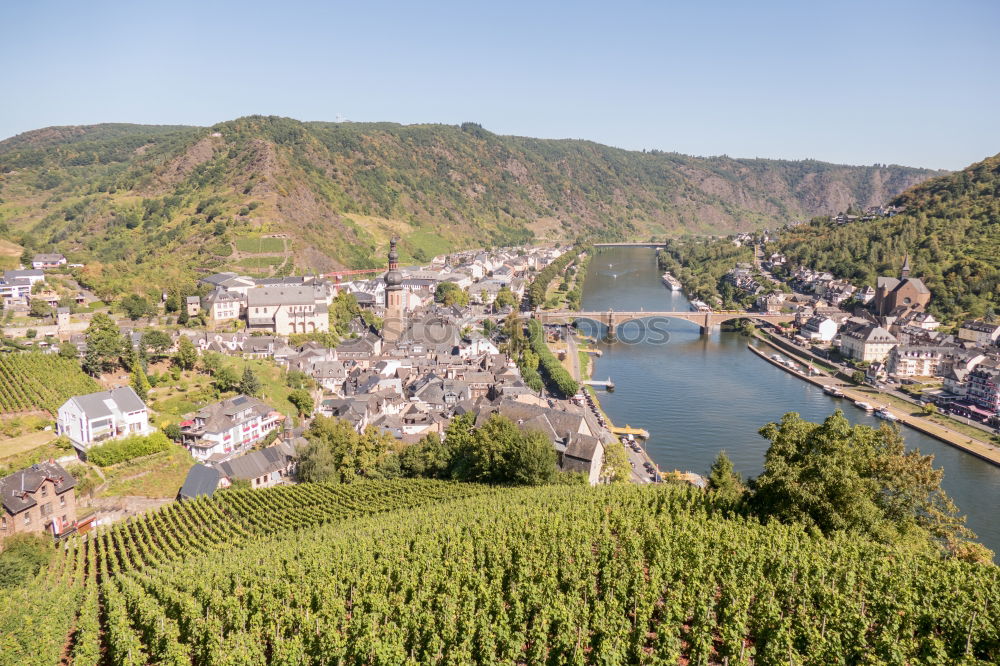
870, 213
897, 338
300, 304
409, 385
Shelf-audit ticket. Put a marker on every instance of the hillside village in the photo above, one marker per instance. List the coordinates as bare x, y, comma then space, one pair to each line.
408, 364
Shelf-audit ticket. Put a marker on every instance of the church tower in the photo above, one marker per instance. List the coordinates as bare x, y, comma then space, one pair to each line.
904, 272
395, 311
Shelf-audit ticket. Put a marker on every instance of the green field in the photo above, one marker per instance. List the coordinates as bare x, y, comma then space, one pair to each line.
258, 245
261, 262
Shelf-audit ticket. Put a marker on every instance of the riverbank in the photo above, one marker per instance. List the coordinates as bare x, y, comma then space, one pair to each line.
976, 447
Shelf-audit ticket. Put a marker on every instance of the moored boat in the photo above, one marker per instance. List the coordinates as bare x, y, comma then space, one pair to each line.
884, 413
863, 405
833, 391
670, 281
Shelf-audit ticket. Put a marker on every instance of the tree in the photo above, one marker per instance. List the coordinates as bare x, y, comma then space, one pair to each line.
173, 302
140, 383
837, 478
500, 452
449, 293
337, 453
505, 298
297, 379
136, 307
187, 353
617, 468
158, 342
858, 377
302, 400
723, 479
929, 409
68, 350
105, 345
249, 383
225, 379
173, 431
39, 308
431, 457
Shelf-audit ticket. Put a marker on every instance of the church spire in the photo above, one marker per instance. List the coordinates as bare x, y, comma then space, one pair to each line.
904, 272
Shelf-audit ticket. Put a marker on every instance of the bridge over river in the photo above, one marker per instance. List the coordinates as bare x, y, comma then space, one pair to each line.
706, 320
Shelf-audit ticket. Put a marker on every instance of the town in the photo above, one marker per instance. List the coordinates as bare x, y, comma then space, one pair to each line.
422, 345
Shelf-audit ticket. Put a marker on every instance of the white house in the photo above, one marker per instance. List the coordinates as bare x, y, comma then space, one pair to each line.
40, 261
819, 327
287, 310
228, 426
223, 305
90, 419
867, 342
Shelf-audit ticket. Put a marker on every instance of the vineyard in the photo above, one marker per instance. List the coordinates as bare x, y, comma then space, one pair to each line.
33, 380
424, 572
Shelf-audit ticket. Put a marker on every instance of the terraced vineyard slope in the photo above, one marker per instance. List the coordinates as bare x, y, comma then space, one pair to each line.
36, 381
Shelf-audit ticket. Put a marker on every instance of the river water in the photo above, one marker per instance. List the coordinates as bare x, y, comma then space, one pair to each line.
697, 395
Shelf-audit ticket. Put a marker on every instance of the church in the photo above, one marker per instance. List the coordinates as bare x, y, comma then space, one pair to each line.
394, 322
905, 292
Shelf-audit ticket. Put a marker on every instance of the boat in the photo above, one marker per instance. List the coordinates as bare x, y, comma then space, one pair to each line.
833, 391
670, 281
699, 306
884, 413
863, 405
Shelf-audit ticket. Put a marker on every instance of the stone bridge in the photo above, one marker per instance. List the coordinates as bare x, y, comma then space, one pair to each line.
706, 321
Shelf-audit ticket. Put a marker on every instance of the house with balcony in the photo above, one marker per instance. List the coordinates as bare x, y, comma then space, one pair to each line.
228, 426
88, 420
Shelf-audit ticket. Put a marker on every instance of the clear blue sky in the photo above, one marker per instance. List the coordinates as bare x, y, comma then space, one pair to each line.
907, 81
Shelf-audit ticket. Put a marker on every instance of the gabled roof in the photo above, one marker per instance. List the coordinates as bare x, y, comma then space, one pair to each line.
94, 405
255, 464
30, 480
200, 480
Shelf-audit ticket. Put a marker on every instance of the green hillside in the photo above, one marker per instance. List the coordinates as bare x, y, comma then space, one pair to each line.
145, 206
553, 575
951, 229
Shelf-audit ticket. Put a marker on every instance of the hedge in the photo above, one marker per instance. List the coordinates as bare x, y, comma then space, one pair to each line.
133, 446
559, 378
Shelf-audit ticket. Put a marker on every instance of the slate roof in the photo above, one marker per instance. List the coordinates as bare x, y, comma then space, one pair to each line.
94, 406
30, 479
282, 295
200, 480
256, 463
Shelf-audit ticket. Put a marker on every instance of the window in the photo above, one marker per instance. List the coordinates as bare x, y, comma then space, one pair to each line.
62, 500
27, 519
3, 524
45, 490
47, 509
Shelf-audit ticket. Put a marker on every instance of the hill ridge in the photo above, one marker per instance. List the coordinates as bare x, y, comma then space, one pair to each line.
173, 199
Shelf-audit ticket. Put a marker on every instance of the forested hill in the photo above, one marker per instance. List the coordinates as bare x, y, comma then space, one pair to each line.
951, 229
145, 205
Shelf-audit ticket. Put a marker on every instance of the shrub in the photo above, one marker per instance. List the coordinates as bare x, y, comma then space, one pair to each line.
133, 446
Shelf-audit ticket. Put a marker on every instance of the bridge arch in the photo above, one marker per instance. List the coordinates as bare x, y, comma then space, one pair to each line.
611, 320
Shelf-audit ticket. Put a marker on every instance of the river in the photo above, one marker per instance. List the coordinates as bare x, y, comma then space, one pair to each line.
697, 395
